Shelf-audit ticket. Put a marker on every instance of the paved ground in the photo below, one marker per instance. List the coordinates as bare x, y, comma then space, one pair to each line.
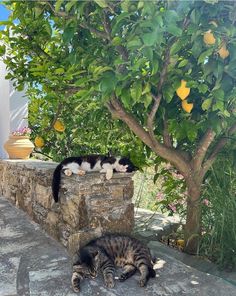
31, 263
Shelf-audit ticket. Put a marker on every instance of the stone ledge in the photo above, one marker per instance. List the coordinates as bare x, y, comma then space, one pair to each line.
89, 205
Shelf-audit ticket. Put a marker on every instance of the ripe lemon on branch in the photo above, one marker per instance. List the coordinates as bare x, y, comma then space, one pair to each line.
39, 142
187, 106
59, 126
223, 51
209, 38
183, 91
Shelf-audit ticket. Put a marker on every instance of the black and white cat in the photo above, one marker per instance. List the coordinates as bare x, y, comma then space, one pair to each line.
90, 163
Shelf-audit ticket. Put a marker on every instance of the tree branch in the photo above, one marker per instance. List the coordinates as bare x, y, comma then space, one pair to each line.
59, 13
98, 33
201, 149
120, 48
167, 139
59, 108
157, 99
217, 148
170, 154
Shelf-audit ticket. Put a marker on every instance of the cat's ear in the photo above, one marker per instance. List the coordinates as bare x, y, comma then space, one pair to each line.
94, 252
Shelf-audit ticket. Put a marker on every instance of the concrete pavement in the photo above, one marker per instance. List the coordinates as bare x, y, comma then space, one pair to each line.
33, 264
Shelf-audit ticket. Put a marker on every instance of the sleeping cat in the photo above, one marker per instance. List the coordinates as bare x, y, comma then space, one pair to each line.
90, 163
104, 253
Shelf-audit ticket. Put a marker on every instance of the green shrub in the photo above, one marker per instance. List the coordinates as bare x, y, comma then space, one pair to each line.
219, 215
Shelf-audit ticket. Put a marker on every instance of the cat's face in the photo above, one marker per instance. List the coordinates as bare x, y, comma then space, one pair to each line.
126, 166
85, 270
87, 263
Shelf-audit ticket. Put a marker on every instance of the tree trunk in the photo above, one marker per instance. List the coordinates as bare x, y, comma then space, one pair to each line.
192, 229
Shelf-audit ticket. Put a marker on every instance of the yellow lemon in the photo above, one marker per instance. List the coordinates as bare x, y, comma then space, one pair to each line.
180, 243
209, 38
187, 106
183, 91
59, 126
39, 142
223, 52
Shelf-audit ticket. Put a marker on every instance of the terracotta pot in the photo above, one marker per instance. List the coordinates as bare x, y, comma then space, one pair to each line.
18, 147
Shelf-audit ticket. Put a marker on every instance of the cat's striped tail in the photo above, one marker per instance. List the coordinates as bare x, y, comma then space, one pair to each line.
56, 180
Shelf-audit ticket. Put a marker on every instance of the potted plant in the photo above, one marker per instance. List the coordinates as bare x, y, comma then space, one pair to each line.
19, 146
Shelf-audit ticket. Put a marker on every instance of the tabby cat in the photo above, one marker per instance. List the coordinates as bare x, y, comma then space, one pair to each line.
104, 253
88, 163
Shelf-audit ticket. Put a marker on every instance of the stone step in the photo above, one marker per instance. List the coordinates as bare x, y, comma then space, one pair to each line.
34, 264
151, 225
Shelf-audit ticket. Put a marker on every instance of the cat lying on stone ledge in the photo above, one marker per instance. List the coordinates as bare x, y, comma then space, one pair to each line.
90, 163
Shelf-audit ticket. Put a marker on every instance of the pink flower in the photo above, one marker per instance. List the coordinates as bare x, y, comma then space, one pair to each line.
206, 202
160, 196
172, 206
23, 131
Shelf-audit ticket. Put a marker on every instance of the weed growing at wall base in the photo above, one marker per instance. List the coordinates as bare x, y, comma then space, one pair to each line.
219, 215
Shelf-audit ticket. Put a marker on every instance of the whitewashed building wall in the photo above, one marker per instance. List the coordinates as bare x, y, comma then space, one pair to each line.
13, 109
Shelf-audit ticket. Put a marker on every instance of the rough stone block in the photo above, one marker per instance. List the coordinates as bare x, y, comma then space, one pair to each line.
89, 205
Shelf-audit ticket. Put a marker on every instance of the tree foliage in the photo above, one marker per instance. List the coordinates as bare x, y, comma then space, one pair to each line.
86, 58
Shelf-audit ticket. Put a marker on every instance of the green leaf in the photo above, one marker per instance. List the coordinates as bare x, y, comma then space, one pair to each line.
2, 49
68, 34
135, 43
218, 105
136, 91
116, 41
168, 93
147, 89
59, 71
156, 176
174, 30
204, 55
58, 5
126, 98
147, 100
176, 47
108, 83
218, 94
183, 63
203, 88
155, 66
101, 3
125, 5
149, 39
206, 104
81, 81
140, 4
99, 70
69, 5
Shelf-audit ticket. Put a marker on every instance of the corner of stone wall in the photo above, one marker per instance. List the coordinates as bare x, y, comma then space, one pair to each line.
89, 205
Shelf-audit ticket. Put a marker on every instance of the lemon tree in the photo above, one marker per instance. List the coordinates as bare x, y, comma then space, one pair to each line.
156, 78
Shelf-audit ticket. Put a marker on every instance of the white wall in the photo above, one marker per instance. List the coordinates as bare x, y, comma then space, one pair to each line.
13, 109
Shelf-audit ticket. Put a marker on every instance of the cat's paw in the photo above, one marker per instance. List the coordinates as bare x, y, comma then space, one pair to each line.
68, 172
81, 172
109, 174
109, 282
142, 282
76, 289
123, 277
75, 281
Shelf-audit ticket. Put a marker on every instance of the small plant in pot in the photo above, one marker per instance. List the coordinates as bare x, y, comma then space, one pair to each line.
19, 146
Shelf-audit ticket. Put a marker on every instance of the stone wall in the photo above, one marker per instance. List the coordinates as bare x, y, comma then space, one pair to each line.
89, 205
